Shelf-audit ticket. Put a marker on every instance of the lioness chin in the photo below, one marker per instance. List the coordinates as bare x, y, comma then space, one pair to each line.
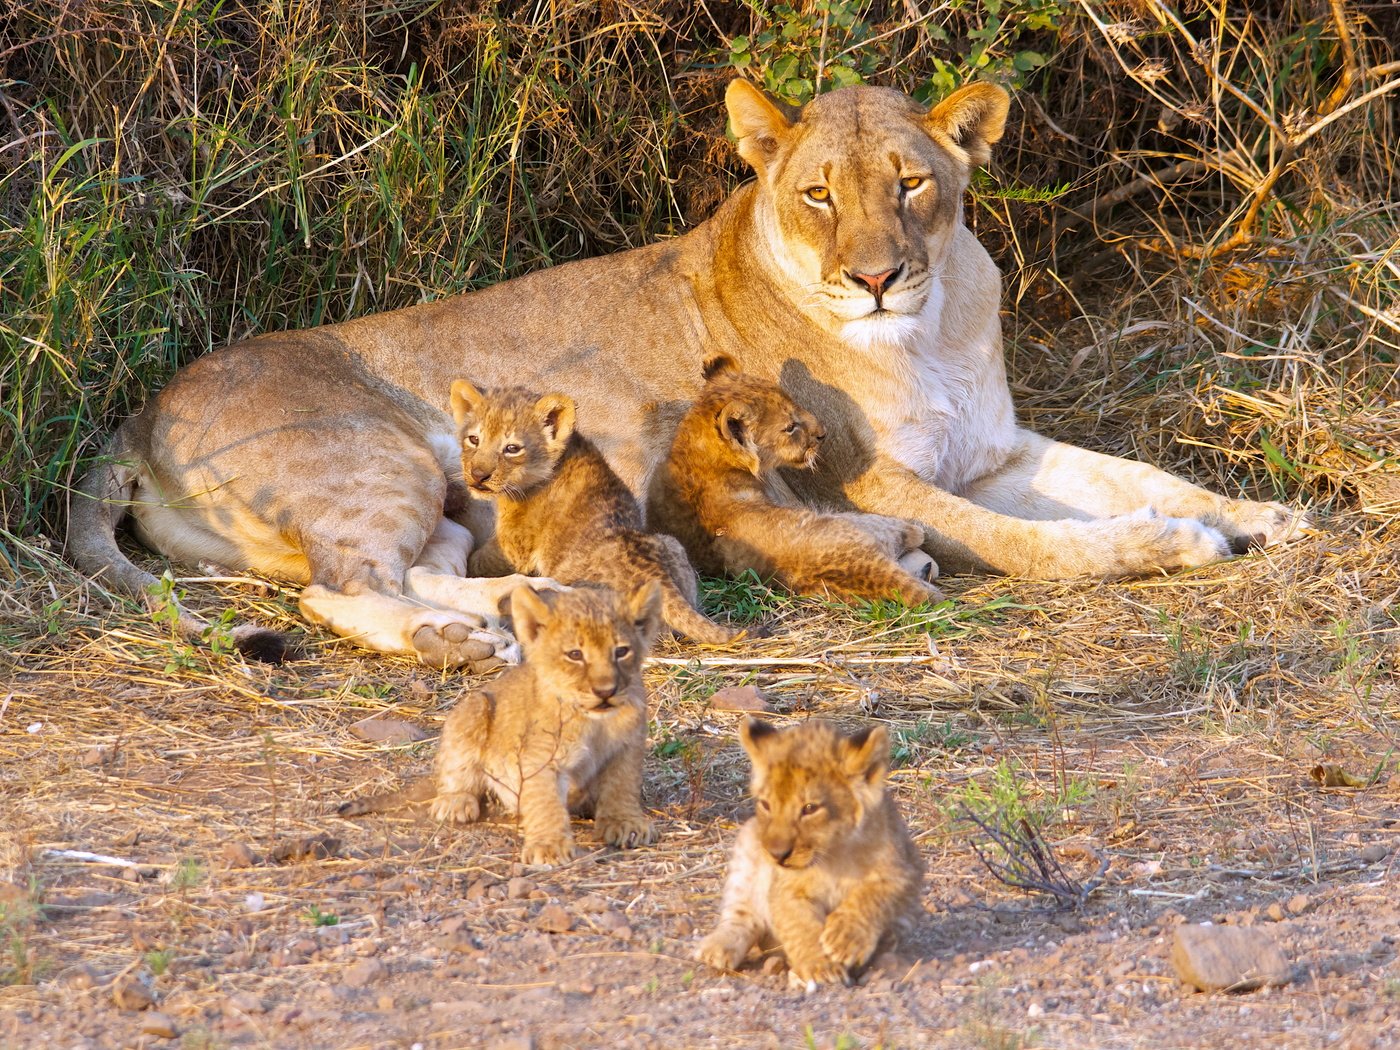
843, 271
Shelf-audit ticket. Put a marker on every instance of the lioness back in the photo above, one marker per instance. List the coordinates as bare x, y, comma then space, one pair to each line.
560, 509
825, 869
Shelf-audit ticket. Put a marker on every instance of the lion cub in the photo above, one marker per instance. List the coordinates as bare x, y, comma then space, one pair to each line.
560, 509
825, 869
720, 495
566, 729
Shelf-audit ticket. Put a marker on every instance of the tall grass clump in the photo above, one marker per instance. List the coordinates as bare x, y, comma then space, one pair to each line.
1194, 203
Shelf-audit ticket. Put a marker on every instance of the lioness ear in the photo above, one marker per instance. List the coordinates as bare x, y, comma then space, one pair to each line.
719, 365
528, 614
866, 754
759, 126
556, 413
736, 429
970, 120
644, 609
466, 400
752, 734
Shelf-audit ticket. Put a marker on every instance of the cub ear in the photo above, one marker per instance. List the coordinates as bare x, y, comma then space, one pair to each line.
556, 413
529, 614
970, 120
754, 734
866, 755
644, 609
719, 365
760, 128
466, 400
735, 424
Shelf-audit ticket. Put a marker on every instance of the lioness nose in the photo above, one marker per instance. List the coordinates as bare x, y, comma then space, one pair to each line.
876, 282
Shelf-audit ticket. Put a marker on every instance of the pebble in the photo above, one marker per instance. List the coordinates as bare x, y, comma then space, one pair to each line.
238, 855
129, 993
518, 888
739, 698
1212, 958
362, 972
243, 1003
1298, 903
159, 1025
1376, 851
554, 919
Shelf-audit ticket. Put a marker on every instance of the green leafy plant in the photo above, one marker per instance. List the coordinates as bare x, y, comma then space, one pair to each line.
316, 917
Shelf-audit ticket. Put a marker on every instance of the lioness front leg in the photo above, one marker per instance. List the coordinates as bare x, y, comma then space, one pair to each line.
617, 813
1047, 479
389, 623
966, 537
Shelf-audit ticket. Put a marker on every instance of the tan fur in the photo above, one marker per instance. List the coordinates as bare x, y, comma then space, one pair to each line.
560, 510
566, 730
825, 869
720, 494
328, 455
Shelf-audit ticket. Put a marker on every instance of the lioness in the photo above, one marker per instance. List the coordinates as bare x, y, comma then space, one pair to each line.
843, 271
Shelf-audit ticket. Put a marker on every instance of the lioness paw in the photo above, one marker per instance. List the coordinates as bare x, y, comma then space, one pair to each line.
626, 832
1255, 525
456, 808
448, 640
847, 940
548, 852
1148, 542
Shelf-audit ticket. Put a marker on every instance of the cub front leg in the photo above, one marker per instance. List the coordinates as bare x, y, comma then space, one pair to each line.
617, 813
458, 773
544, 819
798, 924
853, 930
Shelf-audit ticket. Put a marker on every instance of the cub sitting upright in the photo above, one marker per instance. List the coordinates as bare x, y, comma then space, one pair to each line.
560, 509
719, 493
825, 869
565, 730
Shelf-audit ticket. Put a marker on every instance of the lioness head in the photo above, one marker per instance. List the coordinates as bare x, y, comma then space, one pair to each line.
511, 438
761, 426
812, 786
587, 645
860, 194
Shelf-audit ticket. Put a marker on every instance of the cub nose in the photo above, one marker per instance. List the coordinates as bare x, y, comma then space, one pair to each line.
605, 692
480, 474
876, 283
780, 853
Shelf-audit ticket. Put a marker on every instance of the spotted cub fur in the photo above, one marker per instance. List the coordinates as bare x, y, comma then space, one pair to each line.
825, 869
720, 494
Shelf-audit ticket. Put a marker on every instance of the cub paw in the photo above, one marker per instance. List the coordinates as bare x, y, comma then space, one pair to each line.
807, 975
847, 941
719, 952
1257, 525
456, 808
919, 565
626, 832
548, 853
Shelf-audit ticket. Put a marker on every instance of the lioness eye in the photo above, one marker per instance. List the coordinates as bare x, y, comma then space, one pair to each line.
911, 182
513, 450
809, 809
622, 651
576, 655
473, 440
818, 194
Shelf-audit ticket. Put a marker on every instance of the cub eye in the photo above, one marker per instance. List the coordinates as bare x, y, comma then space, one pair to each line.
622, 652
473, 440
763, 804
513, 449
818, 194
910, 183
791, 428
576, 655
810, 808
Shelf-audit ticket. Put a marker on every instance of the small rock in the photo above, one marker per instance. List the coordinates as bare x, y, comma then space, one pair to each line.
129, 993
683, 927
554, 919
1376, 851
362, 972
519, 1042
313, 847
239, 855
96, 757
591, 904
243, 1003
1212, 958
159, 1025
478, 889
518, 888
378, 730
385, 1003
739, 698
615, 923
1298, 903
1274, 912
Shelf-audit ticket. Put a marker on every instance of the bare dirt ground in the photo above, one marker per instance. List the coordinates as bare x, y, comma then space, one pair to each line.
1168, 727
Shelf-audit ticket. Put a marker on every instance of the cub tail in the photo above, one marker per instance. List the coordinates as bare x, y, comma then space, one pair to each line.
100, 504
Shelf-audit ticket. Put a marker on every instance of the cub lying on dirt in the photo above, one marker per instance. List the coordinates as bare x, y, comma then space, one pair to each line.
569, 723
560, 509
825, 869
720, 494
